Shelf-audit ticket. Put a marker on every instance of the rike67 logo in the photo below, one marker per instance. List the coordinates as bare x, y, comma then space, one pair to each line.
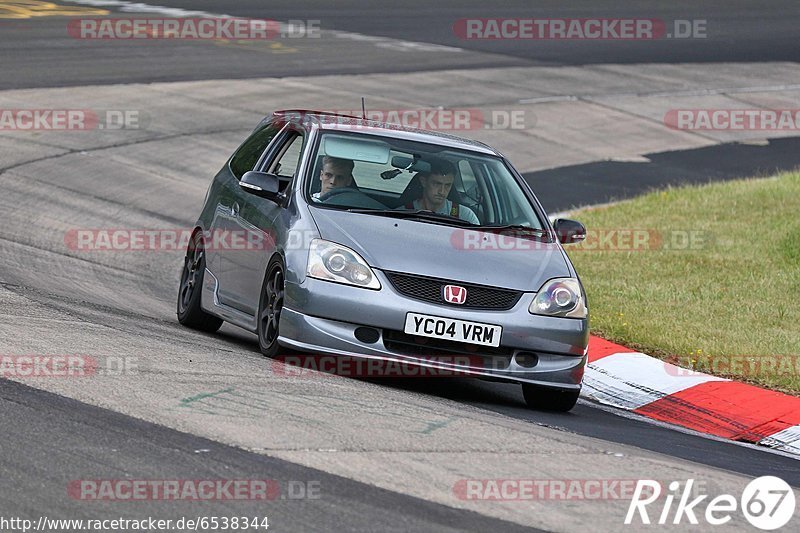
767, 503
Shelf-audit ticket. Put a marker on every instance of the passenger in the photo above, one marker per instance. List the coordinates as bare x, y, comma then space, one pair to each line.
436, 186
335, 173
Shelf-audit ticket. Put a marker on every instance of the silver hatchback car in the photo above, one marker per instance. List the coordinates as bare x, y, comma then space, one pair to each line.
341, 236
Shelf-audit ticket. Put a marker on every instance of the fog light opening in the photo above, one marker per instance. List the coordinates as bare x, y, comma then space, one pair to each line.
367, 335
526, 360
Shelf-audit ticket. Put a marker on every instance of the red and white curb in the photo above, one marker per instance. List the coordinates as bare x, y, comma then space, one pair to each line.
656, 389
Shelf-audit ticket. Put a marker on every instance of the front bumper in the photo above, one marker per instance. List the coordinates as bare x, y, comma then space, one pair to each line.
322, 317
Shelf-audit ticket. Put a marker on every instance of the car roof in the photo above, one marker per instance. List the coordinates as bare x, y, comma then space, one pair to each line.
310, 119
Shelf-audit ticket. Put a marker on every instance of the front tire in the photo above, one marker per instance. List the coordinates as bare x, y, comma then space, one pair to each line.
270, 305
190, 314
549, 399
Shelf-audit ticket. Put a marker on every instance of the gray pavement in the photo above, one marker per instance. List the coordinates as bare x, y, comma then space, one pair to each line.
93, 443
381, 36
388, 453
566, 188
414, 440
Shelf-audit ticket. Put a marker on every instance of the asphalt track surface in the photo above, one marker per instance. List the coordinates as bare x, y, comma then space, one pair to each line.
571, 186
38, 52
52, 302
99, 440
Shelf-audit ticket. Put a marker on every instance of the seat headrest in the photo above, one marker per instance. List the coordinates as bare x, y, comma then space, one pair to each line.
413, 191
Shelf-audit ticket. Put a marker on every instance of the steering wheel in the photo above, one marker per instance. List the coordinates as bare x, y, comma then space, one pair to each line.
349, 197
335, 192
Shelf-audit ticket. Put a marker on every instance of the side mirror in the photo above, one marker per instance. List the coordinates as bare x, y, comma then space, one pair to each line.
262, 184
569, 231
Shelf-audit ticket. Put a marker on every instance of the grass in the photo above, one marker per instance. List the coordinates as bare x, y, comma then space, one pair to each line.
728, 304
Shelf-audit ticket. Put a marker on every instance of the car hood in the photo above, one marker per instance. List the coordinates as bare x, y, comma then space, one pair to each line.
447, 252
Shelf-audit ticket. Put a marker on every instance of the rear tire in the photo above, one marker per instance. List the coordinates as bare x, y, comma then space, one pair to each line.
190, 314
549, 399
270, 305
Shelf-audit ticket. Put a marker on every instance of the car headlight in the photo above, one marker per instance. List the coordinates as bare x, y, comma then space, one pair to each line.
333, 262
560, 297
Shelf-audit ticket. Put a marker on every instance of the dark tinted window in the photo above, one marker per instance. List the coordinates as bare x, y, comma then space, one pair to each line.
248, 154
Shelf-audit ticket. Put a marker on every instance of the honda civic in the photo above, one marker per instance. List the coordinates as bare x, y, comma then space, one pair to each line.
341, 236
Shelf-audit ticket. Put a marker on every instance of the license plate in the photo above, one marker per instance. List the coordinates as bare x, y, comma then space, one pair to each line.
453, 330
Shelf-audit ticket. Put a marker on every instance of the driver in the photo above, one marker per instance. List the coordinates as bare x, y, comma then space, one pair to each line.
335, 173
436, 186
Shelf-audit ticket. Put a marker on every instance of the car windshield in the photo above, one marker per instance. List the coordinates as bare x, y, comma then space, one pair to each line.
394, 177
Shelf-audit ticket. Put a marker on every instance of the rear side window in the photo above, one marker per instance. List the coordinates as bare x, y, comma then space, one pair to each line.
249, 153
289, 160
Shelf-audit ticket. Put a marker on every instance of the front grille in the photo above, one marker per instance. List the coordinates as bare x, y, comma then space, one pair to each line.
430, 290
400, 342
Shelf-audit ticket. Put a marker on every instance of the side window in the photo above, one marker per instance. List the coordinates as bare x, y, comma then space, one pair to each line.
288, 160
248, 154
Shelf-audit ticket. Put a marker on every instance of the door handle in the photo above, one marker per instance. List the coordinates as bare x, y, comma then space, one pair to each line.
235, 209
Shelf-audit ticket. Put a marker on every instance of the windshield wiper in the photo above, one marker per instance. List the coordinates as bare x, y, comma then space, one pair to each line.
417, 214
511, 227
516, 230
